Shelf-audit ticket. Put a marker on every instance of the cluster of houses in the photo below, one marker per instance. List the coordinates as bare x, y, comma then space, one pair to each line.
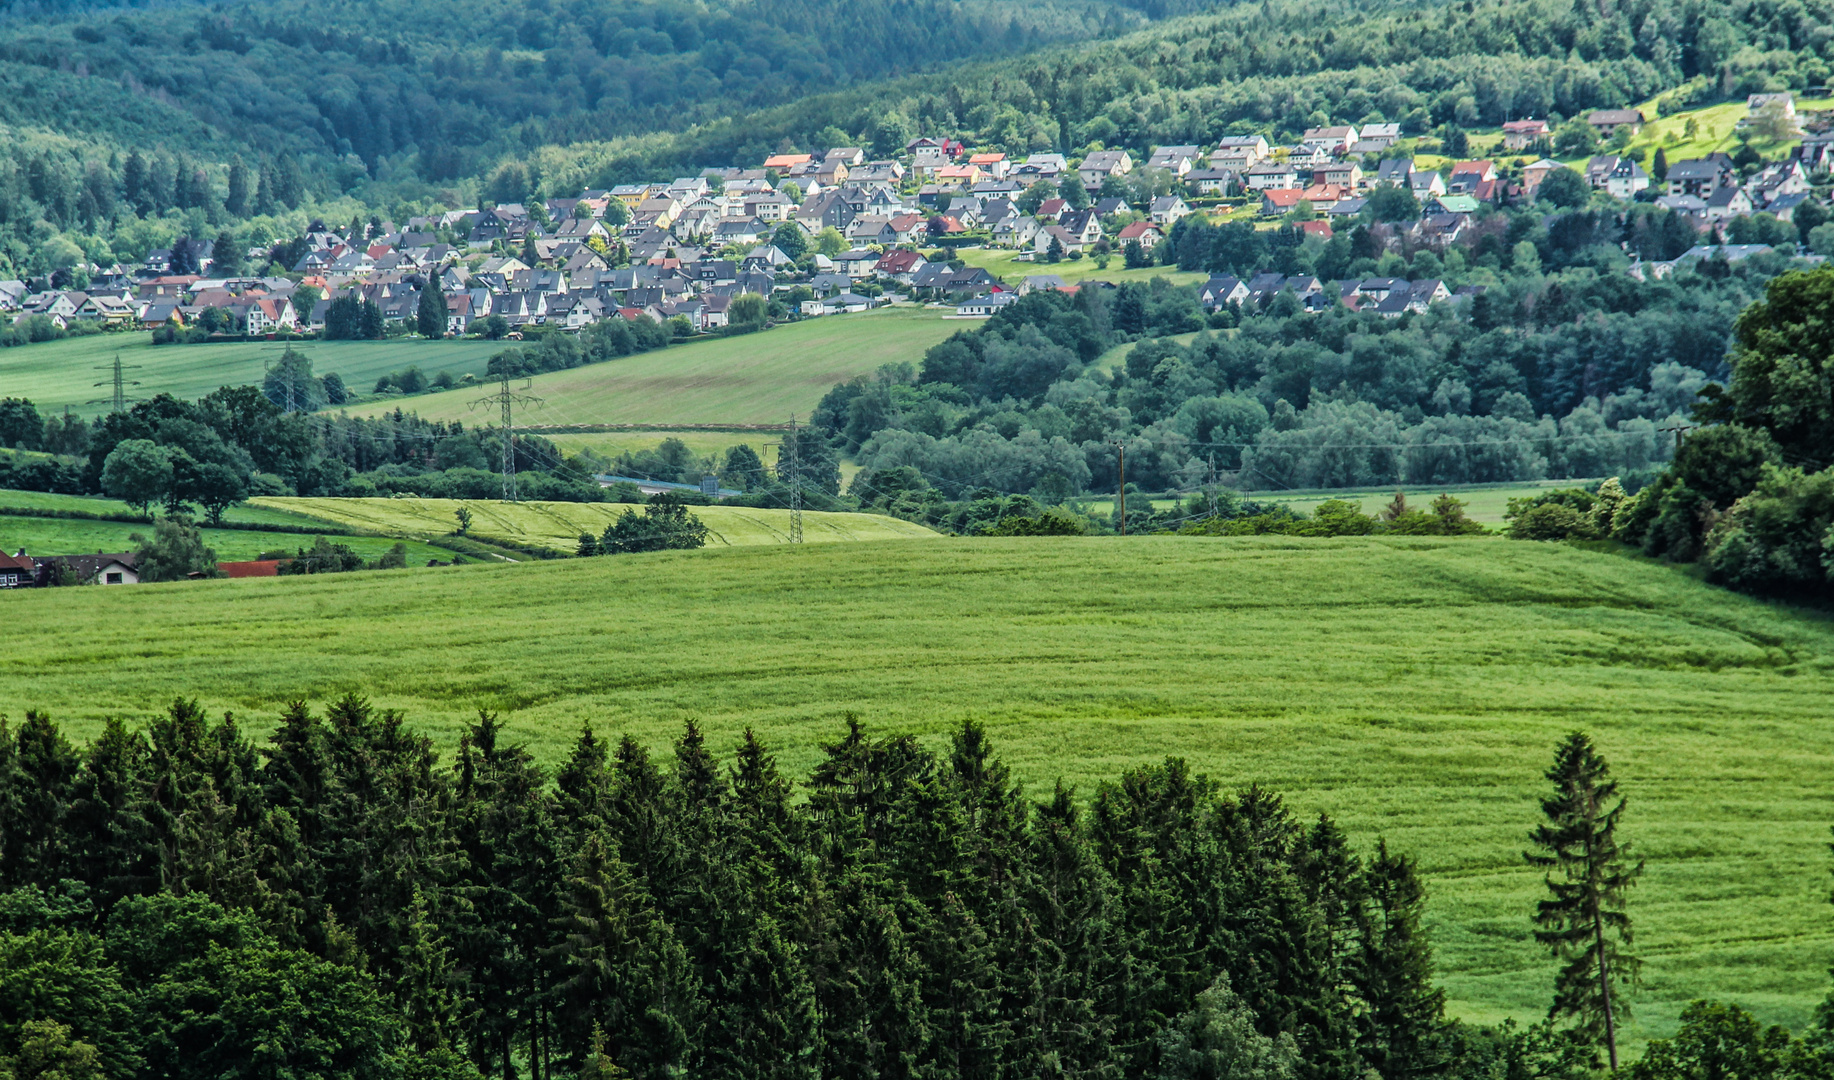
686, 248
1390, 298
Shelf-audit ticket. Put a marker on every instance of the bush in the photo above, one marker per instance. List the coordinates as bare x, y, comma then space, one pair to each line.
664, 525
1779, 539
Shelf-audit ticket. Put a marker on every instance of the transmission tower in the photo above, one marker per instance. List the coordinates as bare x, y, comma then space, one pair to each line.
505, 398
119, 384
795, 483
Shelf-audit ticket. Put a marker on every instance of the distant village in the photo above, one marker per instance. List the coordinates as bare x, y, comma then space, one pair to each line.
824, 233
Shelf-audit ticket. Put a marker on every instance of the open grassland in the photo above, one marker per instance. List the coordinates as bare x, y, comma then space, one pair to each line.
70, 536
1485, 504
1008, 268
1414, 688
55, 374
558, 525
96, 504
750, 379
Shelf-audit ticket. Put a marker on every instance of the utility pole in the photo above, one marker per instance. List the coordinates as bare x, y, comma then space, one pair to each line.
1120, 464
1680, 430
795, 483
505, 398
120, 384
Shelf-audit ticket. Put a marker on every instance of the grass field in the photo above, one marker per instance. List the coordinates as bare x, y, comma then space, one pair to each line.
557, 525
1414, 688
95, 504
69, 536
1482, 503
1003, 265
751, 379
59, 373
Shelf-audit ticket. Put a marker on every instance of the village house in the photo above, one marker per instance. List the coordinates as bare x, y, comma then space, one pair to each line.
1522, 134
1607, 122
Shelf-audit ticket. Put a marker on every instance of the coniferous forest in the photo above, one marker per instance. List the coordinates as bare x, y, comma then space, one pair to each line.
340, 900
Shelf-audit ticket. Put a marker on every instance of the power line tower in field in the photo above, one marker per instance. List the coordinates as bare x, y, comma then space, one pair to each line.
789, 470
505, 398
119, 383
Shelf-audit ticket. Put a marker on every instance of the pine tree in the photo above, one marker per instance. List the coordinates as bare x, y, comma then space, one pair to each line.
1583, 922
236, 200
107, 827
44, 768
226, 255
266, 204
1403, 1010
424, 987
134, 183
431, 314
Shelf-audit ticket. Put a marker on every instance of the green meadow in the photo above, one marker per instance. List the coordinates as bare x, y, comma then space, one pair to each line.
1008, 267
56, 374
1414, 688
68, 536
558, 525
757, 378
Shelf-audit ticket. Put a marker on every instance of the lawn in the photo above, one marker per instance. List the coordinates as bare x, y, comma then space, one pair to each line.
1006, 266
557, 525
55, 374
71, 536
751, 379
1413, 688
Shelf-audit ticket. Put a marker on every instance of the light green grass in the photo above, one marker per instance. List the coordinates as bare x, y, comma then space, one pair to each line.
558, 525
72, 536
1006, 266
96, 504
704, 443
751, 379
1414, 688
1485, 504
55, 374
1117, 356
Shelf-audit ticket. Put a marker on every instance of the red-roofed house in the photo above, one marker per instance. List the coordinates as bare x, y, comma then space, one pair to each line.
17, 571
787, 161
994, 165
1051, 209
252, 568
900, 265
1144, 233
1280, 200
1320, 229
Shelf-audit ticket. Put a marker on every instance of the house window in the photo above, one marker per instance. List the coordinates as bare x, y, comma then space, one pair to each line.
113, 578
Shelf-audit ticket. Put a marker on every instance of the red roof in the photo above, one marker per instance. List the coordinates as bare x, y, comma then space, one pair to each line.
21, 561
253, 568
1316, 228
898, 262
1282, 196
1138, 229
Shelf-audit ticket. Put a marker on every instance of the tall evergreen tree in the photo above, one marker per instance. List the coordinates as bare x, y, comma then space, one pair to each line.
236, 199
1403, 1011
430, 317
33, 850
1583, 921
226, 259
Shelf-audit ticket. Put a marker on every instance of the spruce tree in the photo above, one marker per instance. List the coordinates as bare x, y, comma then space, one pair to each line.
44, 768
236, 200
1583, 922
1403, 1011
226, 255
431, 314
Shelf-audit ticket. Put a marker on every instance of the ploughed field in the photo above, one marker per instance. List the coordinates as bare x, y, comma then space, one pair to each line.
1414, 688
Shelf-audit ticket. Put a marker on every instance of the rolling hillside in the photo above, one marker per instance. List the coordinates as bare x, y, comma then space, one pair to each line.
753, 379
64, 373
1414, 688
557, 525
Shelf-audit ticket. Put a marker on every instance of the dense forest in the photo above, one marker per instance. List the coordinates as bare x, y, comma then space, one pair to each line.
1564, 366
399, 106
907, 912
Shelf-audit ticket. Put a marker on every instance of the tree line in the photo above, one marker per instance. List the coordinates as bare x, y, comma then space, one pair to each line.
181, 901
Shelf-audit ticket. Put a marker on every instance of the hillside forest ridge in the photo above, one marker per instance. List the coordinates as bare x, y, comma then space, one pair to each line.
918, 540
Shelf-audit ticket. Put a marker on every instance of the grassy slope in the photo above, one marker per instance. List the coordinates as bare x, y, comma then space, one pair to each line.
609, 444
557, 525
1415, 688
96, 504
1002, 264
752, 379
59, 373
67, 536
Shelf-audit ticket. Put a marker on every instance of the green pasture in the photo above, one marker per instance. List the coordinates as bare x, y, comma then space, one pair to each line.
751, 379
1485, 503
1008, 268
72, 536
55, 374
1412, 687
558, 525
96, 504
